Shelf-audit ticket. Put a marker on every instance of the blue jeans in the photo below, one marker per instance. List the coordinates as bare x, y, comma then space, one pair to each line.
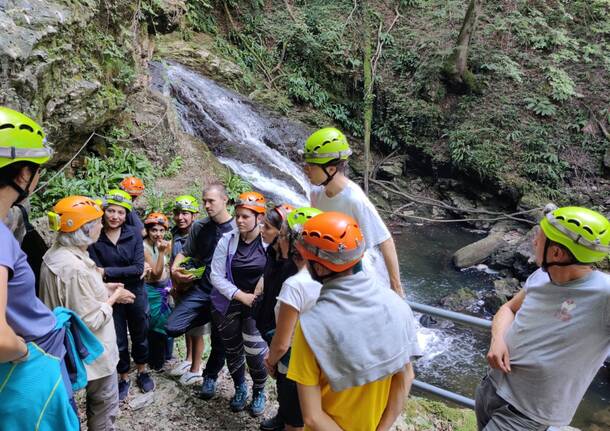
194, 310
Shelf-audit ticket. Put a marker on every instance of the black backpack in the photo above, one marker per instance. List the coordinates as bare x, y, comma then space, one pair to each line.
33, 246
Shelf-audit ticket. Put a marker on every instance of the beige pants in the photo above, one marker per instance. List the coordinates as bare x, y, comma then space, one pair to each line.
102, 403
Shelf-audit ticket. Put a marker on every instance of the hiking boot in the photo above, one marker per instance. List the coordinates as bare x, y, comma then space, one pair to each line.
239, 400
273, 424
208, 388
190, 378
145, 382
257, 407
123, 389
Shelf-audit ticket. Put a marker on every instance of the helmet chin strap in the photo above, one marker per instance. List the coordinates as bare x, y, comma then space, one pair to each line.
546, 264
329, 177
23, 193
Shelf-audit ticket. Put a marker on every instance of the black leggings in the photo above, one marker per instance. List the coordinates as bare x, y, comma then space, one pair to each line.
135, 316
243, 344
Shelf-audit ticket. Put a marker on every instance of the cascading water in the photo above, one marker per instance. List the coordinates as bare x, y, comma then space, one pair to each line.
259, 145
253, 143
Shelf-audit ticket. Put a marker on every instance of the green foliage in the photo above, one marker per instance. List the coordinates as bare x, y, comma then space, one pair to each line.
235, 185
541, 162
562, 86
157, 201
173, 168
541, 106
312, 60
504, 66
529, 58
97, 176
478, 151
199, 16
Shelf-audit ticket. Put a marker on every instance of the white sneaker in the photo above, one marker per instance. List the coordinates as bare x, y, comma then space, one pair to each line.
190, 378
180, 369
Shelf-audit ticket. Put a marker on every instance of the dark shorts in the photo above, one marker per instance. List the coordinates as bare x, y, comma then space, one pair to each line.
288, 399
496, 414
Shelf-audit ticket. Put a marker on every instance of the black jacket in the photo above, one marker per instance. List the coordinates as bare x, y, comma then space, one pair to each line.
277, 270
123, 262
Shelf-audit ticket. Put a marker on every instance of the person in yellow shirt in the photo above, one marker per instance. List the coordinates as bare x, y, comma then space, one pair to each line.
352, 351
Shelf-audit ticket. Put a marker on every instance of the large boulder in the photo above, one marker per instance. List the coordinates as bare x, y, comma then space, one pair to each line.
461, 300
517, 253
391, 169
198, 54
504, 289
478, 252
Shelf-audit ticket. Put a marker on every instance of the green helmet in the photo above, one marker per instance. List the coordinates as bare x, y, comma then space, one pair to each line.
21, 139
584, 232
298, 217
118, 197
326, 145
186, 203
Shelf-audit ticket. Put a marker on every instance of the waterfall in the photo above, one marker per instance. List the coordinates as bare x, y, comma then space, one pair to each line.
252, 142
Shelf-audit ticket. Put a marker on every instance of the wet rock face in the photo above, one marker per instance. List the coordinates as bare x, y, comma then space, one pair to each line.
62, 66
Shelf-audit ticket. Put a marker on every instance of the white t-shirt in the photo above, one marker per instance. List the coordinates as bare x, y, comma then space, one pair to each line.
353, 202
300, 292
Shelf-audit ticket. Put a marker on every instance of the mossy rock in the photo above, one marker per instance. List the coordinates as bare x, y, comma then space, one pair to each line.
422, 414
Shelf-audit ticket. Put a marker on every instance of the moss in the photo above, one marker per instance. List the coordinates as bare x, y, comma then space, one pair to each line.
423, 414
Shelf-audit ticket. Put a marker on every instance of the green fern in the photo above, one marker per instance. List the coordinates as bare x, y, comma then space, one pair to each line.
541, 106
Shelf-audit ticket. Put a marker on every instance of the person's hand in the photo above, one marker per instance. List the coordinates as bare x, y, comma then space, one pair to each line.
163, 246
26, 355
123, 296
245, 298
397, 287
113, 286
498, 357
182, 276
260, 286
147, 269
271, 368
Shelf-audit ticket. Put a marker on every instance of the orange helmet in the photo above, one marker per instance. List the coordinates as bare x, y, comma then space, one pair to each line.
283, 210
132, 185
332, 239
70, 213
156, 218
253, 201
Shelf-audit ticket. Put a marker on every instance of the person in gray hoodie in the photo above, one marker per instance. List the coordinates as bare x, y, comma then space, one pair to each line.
352, 351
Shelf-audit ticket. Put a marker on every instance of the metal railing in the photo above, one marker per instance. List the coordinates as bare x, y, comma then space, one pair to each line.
456, 317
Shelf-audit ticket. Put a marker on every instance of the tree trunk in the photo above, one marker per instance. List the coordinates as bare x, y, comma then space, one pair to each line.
455, 69
368, 94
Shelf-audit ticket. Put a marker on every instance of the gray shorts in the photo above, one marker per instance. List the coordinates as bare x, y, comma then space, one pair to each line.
495, 414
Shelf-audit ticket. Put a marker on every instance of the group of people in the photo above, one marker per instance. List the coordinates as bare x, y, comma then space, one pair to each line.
284, 292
